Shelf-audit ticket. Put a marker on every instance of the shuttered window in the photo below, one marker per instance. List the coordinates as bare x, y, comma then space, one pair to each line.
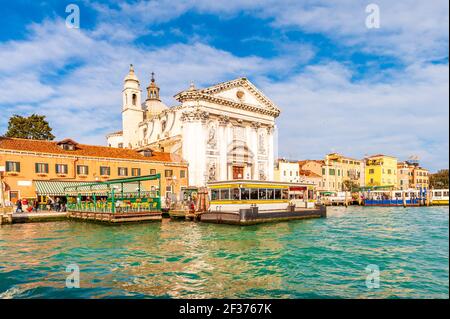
82, 170
41, 168
13, 167
168, 173
105, 170
135, 172
61, 169
122, 171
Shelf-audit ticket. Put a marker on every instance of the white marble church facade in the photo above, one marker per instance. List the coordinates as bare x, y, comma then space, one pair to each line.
224, 132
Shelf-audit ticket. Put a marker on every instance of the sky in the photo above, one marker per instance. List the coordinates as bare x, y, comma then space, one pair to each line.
341, 86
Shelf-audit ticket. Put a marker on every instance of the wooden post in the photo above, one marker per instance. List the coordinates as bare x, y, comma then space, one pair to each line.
404, 199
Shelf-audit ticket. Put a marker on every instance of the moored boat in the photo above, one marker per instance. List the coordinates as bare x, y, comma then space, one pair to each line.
411, 197
439, 196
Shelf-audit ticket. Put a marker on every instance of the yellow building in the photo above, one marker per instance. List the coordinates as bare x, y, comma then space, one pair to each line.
381, 170
338, 169
33, 168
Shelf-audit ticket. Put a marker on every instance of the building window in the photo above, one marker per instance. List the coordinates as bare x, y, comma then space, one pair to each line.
122, 171
82, 170
41, 168
120, 145
13, 167
105, 170
61, 169
389, 171
134, 98
182, 173
152, 171
332, 171
168, 173
135, 172
371, 171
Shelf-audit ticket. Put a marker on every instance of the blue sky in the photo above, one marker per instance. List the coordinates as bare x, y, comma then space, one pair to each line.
341, 86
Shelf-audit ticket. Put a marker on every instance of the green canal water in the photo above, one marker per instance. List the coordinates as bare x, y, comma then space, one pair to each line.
316, 258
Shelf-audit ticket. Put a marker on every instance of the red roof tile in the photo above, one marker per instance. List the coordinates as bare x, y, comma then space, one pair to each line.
51, 147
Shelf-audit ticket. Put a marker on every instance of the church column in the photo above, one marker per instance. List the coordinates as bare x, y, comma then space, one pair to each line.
223, 144
254, 148
270, 164
194, 148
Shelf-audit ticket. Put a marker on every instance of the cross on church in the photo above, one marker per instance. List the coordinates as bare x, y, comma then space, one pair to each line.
153, 76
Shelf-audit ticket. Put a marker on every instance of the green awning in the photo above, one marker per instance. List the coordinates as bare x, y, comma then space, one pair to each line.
57, 188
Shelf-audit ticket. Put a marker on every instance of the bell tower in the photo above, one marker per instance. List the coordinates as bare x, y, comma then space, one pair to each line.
132, 113
153, 90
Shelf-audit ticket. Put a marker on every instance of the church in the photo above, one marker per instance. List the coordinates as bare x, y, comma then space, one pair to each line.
224, 132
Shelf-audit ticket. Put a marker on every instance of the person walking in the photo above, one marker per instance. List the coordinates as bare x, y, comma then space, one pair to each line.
19, 206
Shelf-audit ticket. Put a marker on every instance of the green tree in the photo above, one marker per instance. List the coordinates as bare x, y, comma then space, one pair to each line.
32, 127
439, 179
349, 185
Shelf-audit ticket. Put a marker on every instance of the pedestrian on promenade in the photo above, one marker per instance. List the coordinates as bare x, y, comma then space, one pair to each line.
49, 204
19, 206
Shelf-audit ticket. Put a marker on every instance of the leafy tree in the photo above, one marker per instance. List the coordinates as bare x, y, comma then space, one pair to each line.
348, 185
439, 179
33, 127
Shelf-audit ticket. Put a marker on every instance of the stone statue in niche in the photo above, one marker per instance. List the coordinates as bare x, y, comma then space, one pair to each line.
261, 143
262, 173
211, 171
212, 141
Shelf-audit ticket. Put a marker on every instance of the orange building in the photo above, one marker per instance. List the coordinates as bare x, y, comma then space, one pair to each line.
411, 175
33, 168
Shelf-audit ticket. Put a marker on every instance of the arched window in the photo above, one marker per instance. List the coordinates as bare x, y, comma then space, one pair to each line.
134, 98
163, 126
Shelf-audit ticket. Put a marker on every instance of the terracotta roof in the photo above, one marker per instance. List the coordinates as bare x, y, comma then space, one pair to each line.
302, 162
115, 133
51, 147
380, 155
308, 173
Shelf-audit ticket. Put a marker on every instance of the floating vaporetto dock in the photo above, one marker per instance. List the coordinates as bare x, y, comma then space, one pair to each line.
245, 202
116, 201
252, 215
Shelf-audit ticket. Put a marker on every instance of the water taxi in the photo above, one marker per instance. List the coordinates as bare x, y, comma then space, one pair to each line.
439, 196
249, 202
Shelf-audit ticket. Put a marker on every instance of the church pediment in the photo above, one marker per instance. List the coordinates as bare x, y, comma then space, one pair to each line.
240, 93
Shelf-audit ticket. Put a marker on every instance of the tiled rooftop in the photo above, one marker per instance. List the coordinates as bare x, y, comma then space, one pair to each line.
52, 147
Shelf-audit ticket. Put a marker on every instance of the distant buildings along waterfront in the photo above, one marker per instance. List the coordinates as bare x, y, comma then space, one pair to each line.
337, 172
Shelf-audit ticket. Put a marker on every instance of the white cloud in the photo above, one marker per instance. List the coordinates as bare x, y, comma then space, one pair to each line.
324, 111
409, 29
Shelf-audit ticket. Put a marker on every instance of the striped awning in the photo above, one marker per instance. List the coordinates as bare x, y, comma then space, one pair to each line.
58, 188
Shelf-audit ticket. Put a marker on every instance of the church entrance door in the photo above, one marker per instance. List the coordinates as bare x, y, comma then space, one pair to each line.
238, 172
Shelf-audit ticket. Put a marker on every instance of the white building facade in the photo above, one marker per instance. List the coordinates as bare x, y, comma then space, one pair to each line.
287, 171
224, 132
